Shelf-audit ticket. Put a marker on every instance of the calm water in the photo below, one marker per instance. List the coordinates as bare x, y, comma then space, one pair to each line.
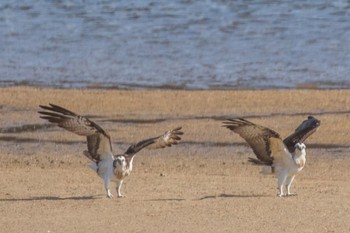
204, 44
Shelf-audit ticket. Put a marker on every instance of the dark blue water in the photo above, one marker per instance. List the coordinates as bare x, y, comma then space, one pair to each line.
204, 44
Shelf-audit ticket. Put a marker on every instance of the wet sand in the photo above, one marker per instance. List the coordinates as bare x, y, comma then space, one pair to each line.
204, 184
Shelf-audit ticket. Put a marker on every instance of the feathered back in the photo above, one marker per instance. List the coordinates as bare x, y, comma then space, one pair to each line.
262, 140
98, 140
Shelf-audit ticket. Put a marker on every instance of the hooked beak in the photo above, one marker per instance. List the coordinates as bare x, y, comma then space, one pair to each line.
117, 161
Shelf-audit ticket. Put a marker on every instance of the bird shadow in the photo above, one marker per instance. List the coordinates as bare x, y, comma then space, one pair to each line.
50, 198
224, 195
167, 199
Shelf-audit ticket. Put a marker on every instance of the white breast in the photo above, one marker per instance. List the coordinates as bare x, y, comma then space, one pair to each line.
300, 159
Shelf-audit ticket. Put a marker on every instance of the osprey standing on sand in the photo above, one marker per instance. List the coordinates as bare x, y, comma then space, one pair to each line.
285, 158
107, 165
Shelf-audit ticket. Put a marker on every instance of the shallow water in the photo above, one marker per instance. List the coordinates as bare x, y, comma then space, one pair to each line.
209, 44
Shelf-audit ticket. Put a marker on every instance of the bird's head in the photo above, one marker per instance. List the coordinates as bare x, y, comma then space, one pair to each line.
119, 163
300, 146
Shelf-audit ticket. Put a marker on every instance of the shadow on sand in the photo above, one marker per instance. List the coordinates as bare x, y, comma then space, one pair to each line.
167, 199
50, 198
223, 195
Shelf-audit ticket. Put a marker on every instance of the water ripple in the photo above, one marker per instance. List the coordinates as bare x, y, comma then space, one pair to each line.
213, 44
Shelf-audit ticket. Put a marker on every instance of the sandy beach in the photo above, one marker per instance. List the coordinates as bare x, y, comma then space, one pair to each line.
203, 184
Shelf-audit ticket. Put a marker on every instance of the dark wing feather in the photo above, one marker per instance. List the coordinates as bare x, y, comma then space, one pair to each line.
98, 140
256, 161
169, 138
70, 121
261, 139
304, 130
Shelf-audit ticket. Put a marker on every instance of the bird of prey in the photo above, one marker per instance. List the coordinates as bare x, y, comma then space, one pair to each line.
285, 158
108, 166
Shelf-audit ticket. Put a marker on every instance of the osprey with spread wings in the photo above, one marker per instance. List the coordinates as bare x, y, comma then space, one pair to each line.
107, 165
284, 157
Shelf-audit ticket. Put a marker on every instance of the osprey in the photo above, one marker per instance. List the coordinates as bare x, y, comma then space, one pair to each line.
107, 165
284, 157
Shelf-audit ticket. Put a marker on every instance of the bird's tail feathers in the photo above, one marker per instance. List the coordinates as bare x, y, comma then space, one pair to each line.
256, 161
267, 170
88, 155
93, 166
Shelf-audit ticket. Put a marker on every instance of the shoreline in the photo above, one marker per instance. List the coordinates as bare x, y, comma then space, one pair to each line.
322, 85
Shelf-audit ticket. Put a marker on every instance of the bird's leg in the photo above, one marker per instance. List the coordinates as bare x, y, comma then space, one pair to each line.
109, 194
289, 184
281, 180
119, 185
106, 181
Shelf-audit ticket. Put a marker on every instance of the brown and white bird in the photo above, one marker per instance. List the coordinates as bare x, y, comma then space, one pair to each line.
285, 158
108, 166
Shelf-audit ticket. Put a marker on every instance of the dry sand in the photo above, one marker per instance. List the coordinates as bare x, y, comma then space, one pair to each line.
204, 184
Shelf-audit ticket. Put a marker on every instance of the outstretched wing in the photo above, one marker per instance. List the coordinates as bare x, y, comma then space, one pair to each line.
304, 130
169, 138
98, 140
264, 141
